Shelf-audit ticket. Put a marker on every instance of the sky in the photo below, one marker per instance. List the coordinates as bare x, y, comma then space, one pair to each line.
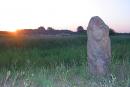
63, 14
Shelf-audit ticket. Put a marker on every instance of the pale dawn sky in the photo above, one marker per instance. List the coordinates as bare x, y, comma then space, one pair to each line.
63, 14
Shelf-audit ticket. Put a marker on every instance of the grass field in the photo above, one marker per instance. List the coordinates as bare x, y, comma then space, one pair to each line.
53, 61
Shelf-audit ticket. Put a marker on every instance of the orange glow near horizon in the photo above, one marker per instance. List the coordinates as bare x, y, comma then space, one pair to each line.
12, 30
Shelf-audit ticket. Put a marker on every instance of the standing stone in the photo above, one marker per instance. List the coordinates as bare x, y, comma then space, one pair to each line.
98, 46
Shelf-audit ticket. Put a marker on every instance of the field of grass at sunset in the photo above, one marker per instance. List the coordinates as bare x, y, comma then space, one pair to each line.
58, 61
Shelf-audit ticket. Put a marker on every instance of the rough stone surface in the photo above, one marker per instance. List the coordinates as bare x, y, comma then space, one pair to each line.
98, 46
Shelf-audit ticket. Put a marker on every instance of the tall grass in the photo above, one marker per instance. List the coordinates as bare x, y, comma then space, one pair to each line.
43, 51
59, 62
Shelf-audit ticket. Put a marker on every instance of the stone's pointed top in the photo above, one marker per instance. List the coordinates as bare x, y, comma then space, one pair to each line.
96, 20
96, 17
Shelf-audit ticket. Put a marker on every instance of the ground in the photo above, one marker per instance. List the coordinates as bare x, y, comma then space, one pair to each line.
59, 61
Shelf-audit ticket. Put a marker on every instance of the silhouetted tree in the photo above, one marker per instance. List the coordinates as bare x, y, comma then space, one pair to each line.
111, 32
41, 28
50, 29
80, 29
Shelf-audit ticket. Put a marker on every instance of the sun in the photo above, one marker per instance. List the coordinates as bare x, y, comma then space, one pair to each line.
12, 30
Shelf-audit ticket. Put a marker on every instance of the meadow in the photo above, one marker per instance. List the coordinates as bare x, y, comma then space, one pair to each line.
59, 61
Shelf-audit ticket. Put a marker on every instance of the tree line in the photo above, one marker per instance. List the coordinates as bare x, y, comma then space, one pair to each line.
52, 31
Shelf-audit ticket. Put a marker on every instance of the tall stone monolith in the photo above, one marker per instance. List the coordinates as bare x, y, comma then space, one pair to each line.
98, 46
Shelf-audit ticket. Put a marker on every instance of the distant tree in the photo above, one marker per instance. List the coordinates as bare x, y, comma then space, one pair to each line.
111, 32
41, 28
80, 29
50, 29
